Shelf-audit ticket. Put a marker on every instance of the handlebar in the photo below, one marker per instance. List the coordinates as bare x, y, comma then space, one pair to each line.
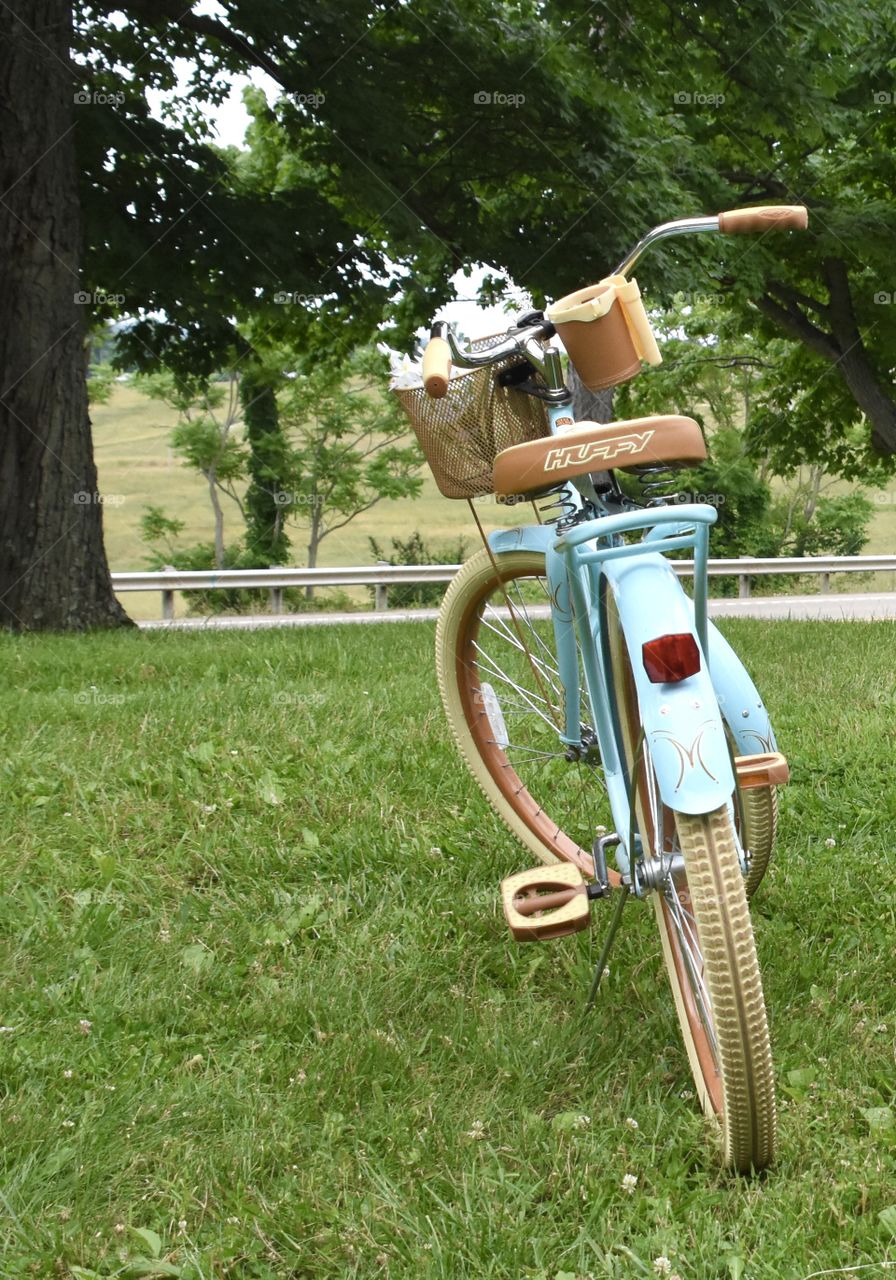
770, 217
528, 339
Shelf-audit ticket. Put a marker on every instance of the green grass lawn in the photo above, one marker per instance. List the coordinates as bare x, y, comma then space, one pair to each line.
261, 1007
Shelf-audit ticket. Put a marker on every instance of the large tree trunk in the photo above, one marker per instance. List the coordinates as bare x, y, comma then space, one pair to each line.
266, 539
53, 570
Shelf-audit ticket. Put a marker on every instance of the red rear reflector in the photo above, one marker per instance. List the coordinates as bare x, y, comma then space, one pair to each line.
671, 658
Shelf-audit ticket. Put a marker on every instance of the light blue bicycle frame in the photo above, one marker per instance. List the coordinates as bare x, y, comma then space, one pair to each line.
683, 722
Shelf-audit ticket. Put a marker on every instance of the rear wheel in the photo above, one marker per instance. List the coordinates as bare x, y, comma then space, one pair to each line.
498, 678
760, 809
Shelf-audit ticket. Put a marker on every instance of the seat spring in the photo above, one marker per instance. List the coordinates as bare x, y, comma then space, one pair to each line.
562, 501
655, 485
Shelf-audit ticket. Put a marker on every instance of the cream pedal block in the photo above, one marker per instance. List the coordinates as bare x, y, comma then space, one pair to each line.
770, 769
545, 902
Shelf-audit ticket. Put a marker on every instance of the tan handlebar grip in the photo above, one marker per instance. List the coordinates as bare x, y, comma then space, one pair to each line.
436, 367
778, 217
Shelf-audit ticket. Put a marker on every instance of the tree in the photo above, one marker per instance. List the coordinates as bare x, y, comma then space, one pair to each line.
53, 570
737, 385
208, 413
536, 139
348, 447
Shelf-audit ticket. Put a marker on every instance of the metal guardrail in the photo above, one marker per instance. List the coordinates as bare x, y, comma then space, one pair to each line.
382, 576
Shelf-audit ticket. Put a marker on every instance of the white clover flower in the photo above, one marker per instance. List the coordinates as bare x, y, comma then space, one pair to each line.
67, 1075
662, 1266
85, 1027
831, 843
629, 1182
477, 1131
631, 1123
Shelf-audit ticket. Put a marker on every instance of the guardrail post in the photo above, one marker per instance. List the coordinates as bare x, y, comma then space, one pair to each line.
743, 585
825, 582
276, 594
168, 596
381, 590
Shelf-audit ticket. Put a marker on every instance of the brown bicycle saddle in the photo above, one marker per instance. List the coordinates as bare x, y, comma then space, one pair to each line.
593, 446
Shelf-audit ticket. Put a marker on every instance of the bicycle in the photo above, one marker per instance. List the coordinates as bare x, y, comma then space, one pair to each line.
593, 701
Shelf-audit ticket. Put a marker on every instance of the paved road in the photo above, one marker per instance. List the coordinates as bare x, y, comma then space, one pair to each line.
840, 608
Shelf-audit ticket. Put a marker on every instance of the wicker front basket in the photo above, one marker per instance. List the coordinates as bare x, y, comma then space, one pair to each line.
462, 433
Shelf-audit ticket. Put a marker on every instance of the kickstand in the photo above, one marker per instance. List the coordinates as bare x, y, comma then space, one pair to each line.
615, 922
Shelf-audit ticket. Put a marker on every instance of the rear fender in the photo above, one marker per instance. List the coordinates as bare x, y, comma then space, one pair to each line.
682, 721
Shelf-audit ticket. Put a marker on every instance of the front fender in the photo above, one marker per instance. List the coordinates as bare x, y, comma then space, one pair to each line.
682, 721
526, 537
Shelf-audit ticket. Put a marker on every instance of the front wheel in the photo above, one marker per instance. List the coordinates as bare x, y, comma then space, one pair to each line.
710, 956
707, 937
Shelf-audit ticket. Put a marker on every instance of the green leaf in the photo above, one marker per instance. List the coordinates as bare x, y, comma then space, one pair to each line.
152, 1241
268, 788
799, 1079
146, 1267
736, 1266
197, 958
880, 1119
887, 1219
568, 1121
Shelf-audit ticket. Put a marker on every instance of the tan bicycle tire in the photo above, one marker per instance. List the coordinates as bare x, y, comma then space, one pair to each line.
520, 812
734, 1082
760, 808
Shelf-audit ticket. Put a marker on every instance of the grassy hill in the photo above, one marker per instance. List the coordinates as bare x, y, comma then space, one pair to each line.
137, 467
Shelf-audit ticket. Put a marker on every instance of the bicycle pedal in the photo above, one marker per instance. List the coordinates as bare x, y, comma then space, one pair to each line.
768, 769
545, 903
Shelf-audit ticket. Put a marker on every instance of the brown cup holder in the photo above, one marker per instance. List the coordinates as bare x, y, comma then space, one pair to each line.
605, 331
